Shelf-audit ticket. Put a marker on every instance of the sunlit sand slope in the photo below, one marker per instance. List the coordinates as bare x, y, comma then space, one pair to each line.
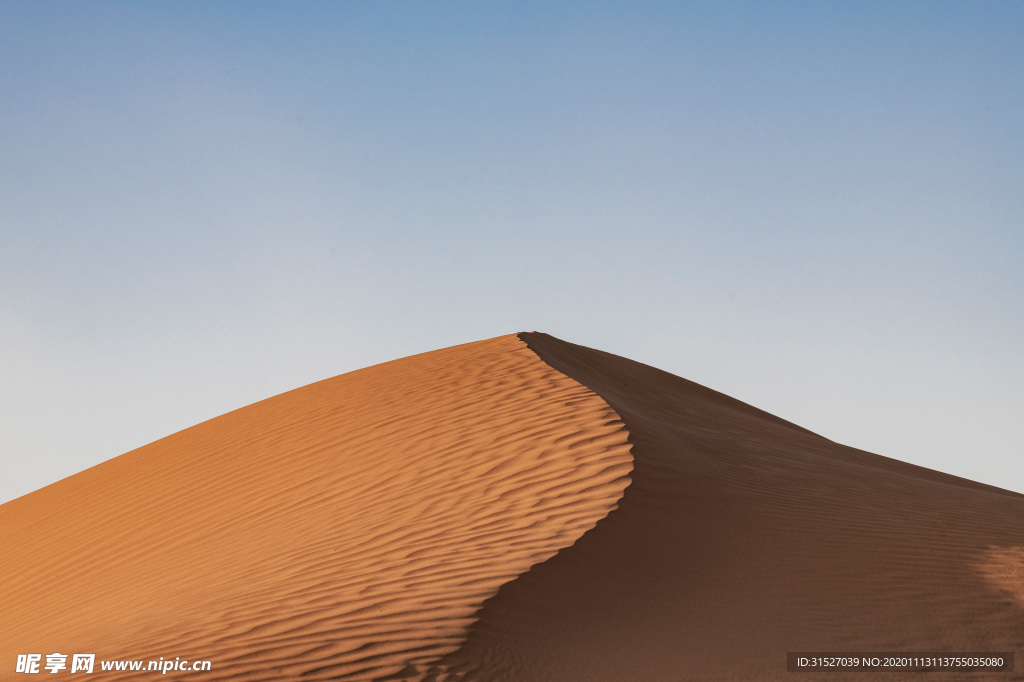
347, 530
743, 537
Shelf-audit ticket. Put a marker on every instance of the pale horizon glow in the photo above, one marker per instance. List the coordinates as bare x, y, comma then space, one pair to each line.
815, 208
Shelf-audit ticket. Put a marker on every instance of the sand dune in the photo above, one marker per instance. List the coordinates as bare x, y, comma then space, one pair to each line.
346, 530
513, 509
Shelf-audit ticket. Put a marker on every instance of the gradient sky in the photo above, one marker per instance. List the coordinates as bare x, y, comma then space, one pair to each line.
817, 208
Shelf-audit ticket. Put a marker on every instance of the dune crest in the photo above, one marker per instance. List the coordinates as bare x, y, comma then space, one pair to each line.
349, 529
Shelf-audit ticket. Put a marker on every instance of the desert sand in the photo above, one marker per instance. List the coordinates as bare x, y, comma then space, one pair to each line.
515, 509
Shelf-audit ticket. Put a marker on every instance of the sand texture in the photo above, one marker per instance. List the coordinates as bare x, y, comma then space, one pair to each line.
349, 529
515, 509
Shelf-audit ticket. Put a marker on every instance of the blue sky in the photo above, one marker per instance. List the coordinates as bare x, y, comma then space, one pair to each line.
813, 207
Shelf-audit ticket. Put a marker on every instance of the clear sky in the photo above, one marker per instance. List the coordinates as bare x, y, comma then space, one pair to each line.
817, 208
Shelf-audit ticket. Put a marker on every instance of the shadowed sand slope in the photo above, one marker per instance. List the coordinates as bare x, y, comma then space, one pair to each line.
349, 529
742, 537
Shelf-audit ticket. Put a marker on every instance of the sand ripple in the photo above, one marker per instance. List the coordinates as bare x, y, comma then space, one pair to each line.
346, 530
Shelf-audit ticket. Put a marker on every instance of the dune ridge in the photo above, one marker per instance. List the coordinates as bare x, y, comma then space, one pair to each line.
346, 530
743, 537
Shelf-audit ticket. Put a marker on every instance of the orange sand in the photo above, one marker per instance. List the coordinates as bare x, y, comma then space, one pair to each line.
494, 511
346, 530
